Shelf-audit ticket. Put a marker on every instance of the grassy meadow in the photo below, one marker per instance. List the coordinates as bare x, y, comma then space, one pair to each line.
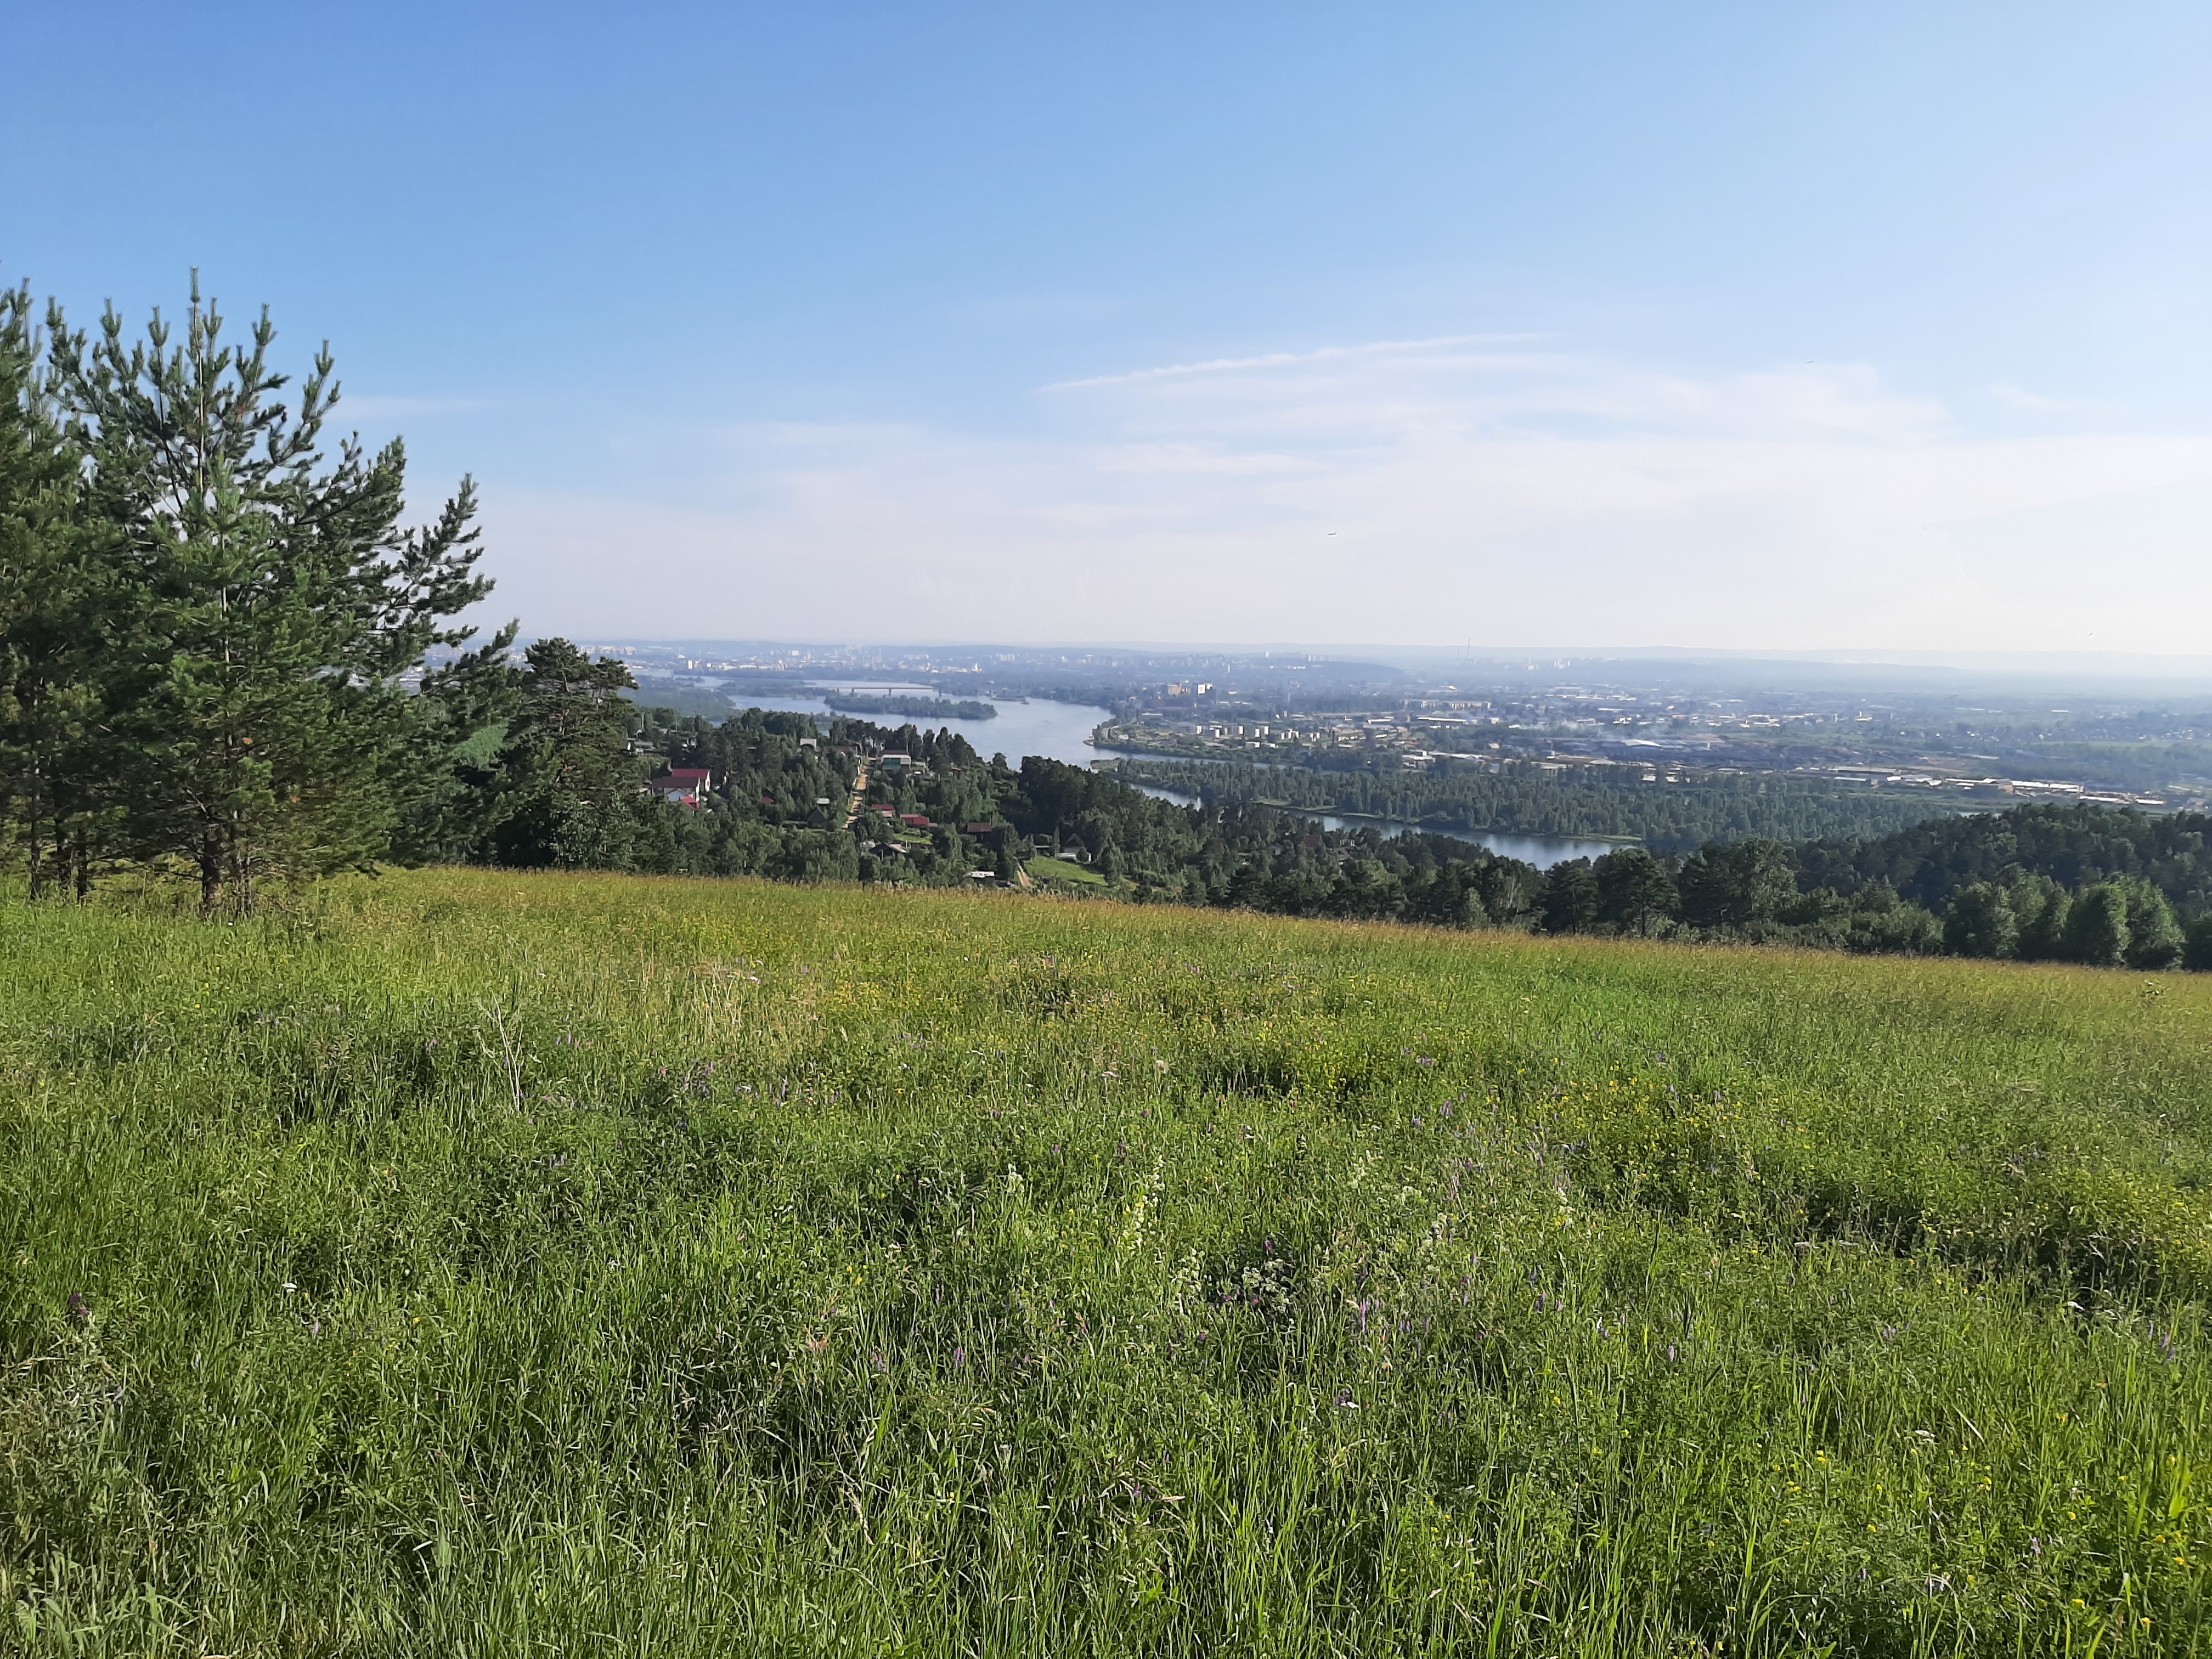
1058, 869
482, 1264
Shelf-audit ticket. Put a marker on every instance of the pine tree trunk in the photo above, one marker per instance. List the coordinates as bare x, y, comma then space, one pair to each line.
37, 851
210, 874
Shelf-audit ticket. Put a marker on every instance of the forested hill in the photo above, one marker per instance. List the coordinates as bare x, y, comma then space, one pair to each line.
2074, 846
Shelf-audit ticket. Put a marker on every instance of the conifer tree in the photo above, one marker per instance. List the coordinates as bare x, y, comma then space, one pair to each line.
458, 790
1635, 893
568, 765
52, 620
276, 600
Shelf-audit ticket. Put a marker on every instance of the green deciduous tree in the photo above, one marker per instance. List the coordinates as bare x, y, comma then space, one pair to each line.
2196, 944
2097, 926
2154, 939
2042, 907
1980, 923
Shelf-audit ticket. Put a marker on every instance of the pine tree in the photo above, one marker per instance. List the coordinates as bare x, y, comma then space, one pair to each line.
568, 765
1635, 893
277, 602
49, 698
457, 791
1568, 902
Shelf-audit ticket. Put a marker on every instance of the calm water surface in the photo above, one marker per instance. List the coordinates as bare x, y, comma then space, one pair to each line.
1058, 730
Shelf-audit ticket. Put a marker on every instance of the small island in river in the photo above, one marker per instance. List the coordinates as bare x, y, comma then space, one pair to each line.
933, 708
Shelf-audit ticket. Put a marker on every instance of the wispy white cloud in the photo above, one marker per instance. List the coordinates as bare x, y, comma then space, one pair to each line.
2022, 401
1274, 360
1415, 491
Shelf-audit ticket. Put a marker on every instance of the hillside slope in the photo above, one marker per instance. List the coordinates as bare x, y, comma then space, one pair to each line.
609, 1264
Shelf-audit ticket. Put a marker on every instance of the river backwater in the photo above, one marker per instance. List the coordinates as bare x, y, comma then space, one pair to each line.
1061, 732
1542, 851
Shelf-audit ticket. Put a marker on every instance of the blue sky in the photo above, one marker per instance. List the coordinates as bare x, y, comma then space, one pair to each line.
1796, 327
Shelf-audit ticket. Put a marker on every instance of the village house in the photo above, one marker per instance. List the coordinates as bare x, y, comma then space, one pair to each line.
685, 786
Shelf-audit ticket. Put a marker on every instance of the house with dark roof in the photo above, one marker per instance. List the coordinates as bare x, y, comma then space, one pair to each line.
686, 786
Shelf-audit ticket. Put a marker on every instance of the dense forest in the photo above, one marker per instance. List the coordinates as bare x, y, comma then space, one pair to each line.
1521, 798
2072, 883
2076, 846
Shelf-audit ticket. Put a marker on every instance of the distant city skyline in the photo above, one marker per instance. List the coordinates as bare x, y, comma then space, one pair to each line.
1878, 328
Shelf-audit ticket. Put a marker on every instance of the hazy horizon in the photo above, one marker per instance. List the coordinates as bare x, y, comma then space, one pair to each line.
2113, 672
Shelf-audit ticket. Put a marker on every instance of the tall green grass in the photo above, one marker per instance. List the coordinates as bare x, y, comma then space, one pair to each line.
485, 1264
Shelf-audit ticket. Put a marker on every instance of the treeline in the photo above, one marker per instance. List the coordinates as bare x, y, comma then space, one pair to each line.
1519, 799
1757, 891
2078, 883
2106, 887
988, 817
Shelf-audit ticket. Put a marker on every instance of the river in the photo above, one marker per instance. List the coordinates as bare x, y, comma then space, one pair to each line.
1058, 730
1061, 732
